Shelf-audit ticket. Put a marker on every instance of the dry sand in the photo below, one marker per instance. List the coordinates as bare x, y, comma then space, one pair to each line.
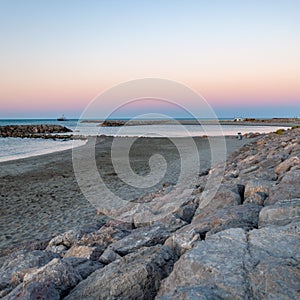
40, 196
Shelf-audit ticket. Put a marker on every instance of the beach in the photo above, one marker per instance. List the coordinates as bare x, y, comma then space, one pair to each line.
40, 196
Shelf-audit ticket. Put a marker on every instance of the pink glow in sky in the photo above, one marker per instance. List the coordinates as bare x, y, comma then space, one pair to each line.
58, 55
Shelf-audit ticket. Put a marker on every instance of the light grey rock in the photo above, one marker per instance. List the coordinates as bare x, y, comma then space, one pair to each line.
218, 197
287, 164
281, 213
210, 270
135, 276
288, 188
208, 223
274, 265
275, 242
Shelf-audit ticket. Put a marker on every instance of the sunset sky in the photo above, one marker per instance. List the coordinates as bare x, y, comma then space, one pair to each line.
242, 56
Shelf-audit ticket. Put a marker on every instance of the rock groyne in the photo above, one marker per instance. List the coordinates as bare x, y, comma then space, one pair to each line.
34, 131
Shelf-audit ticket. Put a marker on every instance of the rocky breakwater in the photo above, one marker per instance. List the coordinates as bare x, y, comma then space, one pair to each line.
243, 244
35, 131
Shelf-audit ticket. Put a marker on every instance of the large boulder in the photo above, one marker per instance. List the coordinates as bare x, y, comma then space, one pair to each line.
210, 270
140, 237
135, 276
19, 263
205, 224
281, 213
287, 188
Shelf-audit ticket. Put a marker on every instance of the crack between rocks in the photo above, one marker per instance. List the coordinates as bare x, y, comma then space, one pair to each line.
247, 279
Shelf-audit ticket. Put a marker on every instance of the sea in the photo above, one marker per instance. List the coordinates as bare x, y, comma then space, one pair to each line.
16, 148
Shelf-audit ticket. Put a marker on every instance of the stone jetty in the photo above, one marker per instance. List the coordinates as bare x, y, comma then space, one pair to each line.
34, 131
243, 244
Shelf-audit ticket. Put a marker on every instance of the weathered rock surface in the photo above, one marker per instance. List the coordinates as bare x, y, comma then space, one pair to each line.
18, 264
135, 276
234, 264
210, 270
140, 237
281, 213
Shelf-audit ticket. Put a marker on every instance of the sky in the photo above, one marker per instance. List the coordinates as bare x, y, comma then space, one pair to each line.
241, 56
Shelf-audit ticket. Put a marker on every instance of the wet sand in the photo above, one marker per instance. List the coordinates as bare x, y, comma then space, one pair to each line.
40, 197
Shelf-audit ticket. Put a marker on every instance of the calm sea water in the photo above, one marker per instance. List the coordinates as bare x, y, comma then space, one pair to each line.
15, 148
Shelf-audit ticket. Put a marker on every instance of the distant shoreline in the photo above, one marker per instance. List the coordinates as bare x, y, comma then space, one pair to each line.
247, 121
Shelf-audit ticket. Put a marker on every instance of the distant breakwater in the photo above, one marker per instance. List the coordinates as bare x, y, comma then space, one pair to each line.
35, 131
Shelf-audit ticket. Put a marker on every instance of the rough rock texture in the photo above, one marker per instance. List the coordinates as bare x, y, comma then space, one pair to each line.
136, 276
281, 213
18, 264
210, 270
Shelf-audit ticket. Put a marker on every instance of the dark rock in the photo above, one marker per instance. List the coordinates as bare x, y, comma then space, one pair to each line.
135, 276
34, 291
19, 263
140, 237
58, 273
83, 266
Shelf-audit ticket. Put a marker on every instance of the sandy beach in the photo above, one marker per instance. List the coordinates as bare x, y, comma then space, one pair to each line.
41, 198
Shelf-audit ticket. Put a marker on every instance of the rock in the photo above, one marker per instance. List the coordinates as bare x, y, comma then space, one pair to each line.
210, 270
135, 276
274, 264
67, 239
211, 199
256, 186
88, 252
257, 198
241, 216
287, 164
83, 266
234, 264
58, 273
140, 237
186, 212
281, 213
108, 256
60, 249
288, 188
106, 235
17, 264
34, 291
